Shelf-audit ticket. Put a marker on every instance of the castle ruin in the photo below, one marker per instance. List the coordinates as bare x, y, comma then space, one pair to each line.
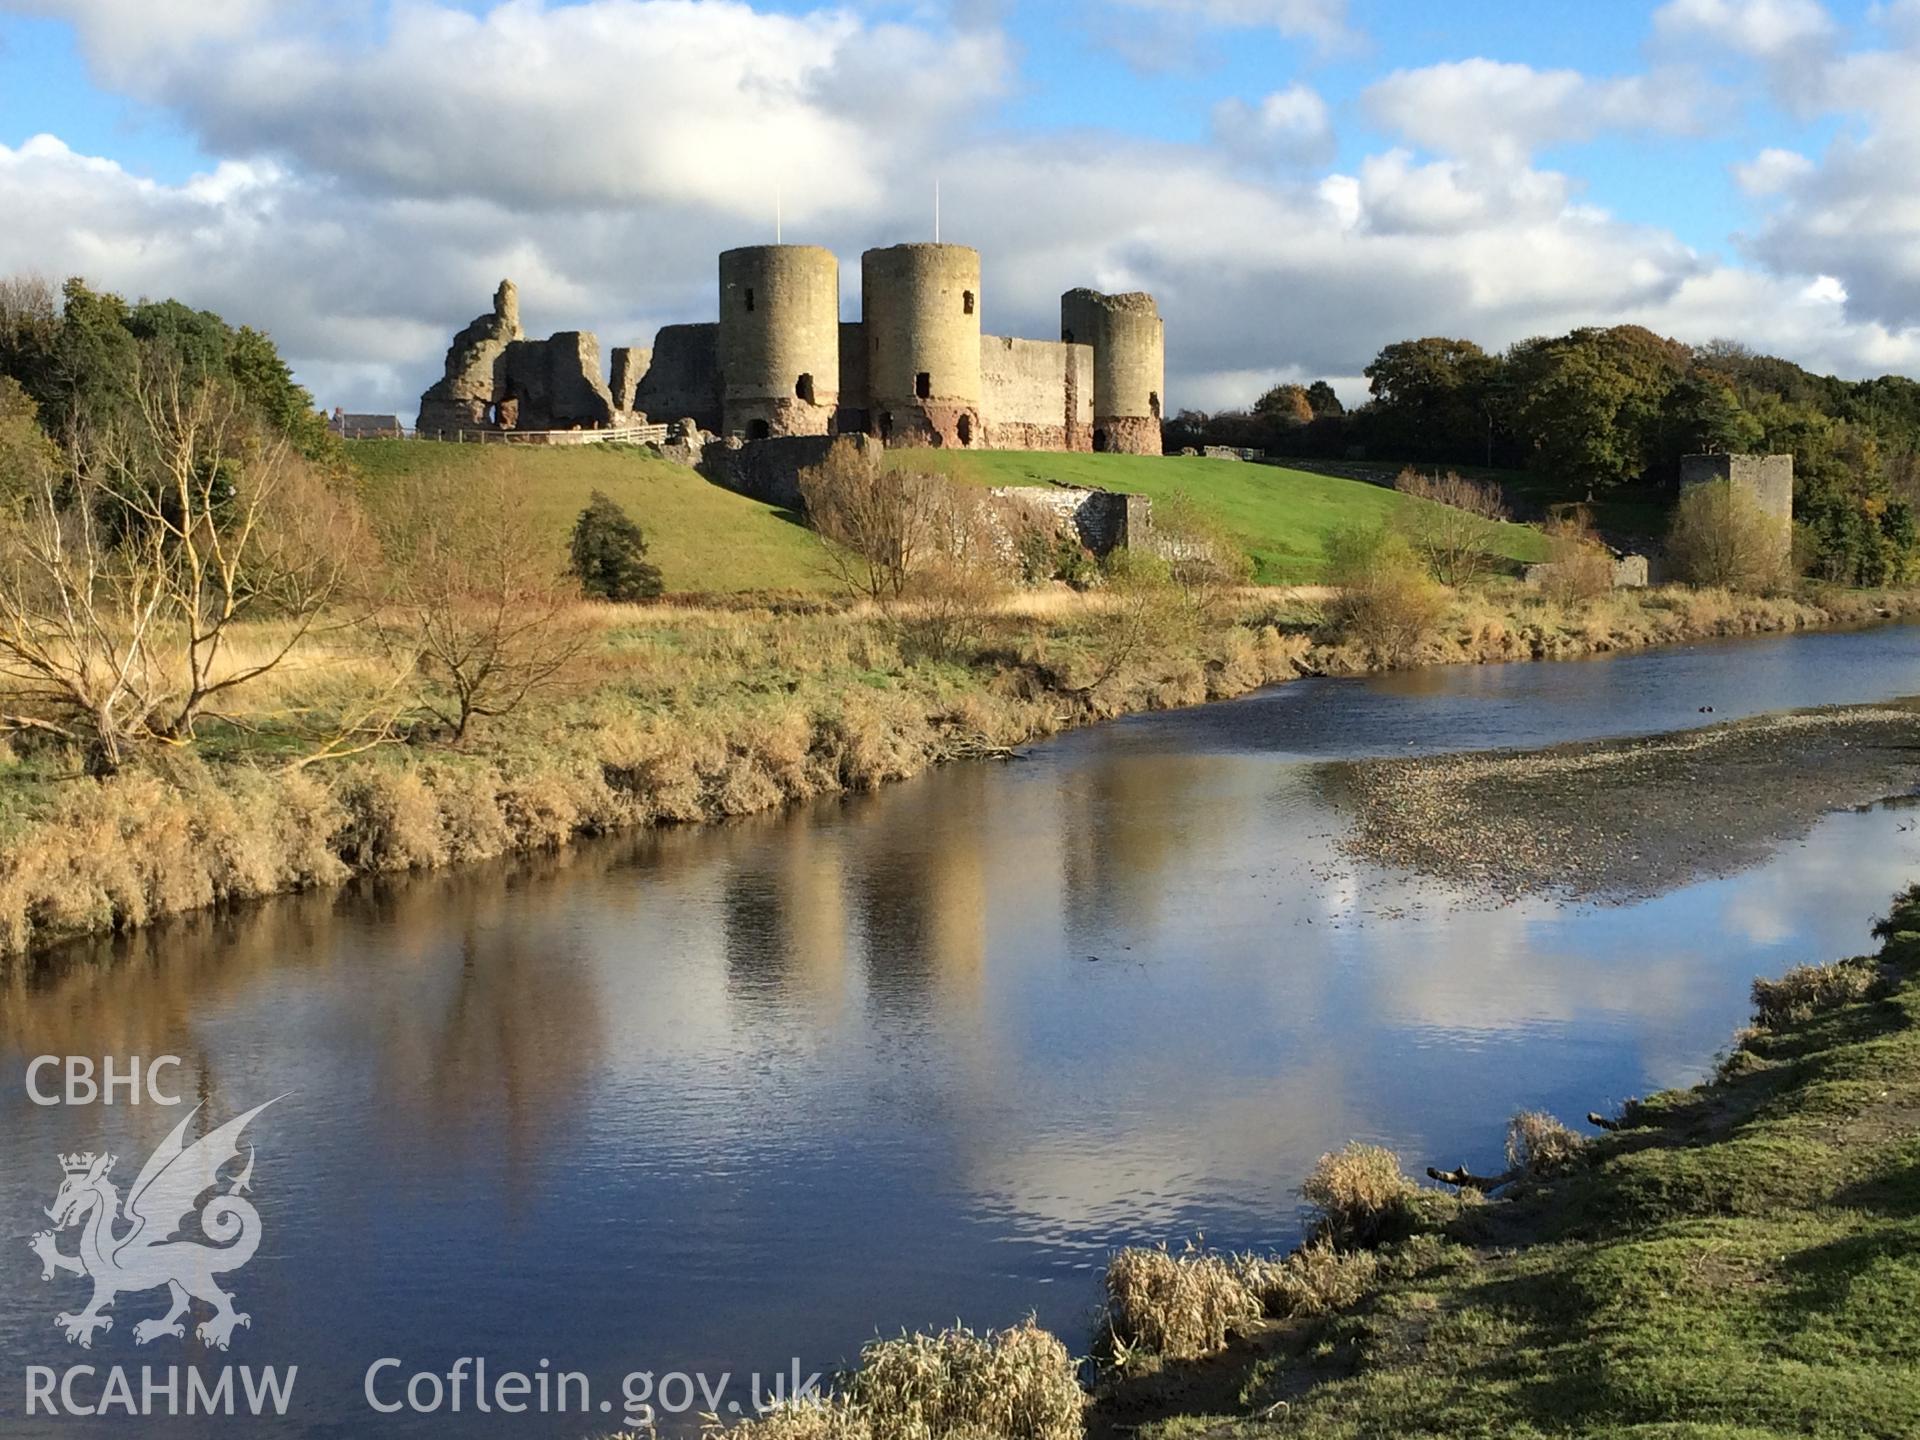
915, 369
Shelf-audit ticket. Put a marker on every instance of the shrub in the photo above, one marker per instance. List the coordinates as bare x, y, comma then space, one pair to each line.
1540, 1145
1360, 1196
1017, 1384
1579, 566
1203, 557
1457, 531
1387, 603
608, 554
1175, 1306
1721, 536
1047, 552
1806, 990
1316, 1279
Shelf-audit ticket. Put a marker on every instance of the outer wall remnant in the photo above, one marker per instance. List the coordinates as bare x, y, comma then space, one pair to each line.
1129, 366
1767, 478
923, 343
779, 343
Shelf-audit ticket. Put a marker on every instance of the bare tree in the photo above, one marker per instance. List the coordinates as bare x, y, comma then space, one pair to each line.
879, 525
1722, 536
478, 595
127, 569
1458, 530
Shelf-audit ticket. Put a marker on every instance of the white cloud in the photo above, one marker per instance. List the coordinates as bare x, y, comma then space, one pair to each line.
1289, 127
1773, 30
1503, 113
608, 102
1323, 21
1772, 171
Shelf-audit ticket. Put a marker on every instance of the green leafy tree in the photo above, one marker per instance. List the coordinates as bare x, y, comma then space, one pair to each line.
1434, 399
1325, 403
1286, 404
609, 554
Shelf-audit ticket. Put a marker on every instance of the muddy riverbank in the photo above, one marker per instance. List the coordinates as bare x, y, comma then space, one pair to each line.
1621, 819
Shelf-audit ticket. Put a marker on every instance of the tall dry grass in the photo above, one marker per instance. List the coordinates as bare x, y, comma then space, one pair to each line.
1013, 1384
683, 713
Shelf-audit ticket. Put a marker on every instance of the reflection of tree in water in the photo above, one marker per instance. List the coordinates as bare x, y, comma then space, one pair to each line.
922, 895
784, 915
1123, 823
490, 1029
141, 993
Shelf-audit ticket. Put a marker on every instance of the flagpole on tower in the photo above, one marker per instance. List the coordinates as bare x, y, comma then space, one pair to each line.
936, 210
776, 214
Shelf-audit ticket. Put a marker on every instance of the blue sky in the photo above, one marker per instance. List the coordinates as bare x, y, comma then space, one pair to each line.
1298, 180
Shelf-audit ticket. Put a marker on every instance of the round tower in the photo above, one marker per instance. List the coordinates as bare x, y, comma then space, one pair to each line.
1129, 365
779, 340
921, 304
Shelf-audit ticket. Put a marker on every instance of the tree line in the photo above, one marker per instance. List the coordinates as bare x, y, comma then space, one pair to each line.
1601, 411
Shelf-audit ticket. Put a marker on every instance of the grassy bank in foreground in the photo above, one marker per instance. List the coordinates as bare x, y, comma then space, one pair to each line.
675, 714
1282, 517
1737, 1260
1731, 1262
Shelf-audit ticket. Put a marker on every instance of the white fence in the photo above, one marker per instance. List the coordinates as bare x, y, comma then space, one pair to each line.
616, 435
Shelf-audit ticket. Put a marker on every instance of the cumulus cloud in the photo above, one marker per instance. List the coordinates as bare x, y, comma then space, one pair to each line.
1289, 127
1322, 21
609, 102
368, 196
1758, 29
1504, 113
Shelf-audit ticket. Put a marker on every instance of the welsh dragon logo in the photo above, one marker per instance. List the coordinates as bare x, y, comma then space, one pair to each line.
148, 1253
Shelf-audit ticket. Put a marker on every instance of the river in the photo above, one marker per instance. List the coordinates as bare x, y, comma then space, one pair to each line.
722, 1099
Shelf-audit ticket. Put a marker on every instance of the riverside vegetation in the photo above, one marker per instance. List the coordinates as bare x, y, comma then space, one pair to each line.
1730, 1262
235, 660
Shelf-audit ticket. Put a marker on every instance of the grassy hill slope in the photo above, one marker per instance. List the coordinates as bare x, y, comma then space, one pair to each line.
1282, 516
702, 537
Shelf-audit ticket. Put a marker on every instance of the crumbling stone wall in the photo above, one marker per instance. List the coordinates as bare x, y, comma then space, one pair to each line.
555, 384
629, 364
683, 375
1036, 394
1767, 478
497, 379
770, 469
1104, 520
475, 374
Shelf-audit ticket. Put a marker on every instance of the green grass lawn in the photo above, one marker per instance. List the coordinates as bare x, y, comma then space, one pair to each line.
702, 537
1282, 516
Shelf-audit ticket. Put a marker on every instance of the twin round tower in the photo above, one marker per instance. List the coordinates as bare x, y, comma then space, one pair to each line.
916, 369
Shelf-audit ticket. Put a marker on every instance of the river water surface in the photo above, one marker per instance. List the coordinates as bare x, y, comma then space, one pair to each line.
719, 1099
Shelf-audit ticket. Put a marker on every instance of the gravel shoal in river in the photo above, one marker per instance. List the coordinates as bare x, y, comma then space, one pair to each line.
1621, 819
